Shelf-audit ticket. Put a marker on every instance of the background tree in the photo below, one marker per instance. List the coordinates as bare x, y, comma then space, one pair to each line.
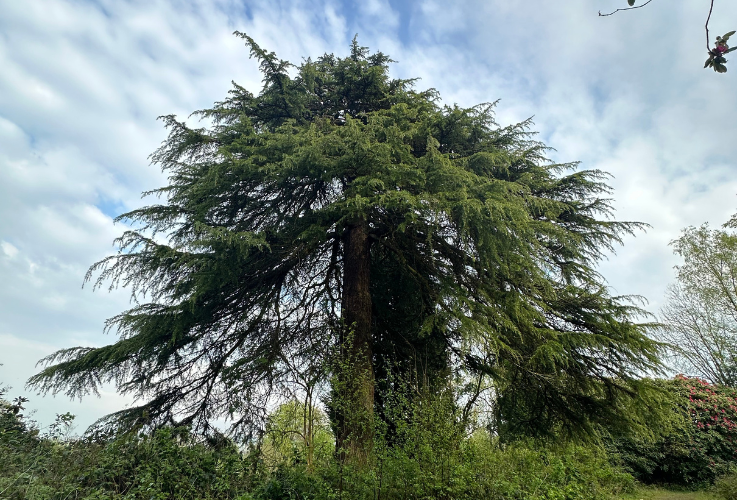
341, 215
297, 433
700, 316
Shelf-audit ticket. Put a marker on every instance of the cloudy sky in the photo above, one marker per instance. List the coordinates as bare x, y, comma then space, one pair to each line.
82, 82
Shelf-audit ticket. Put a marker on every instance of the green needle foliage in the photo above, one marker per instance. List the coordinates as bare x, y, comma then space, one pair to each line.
341, 214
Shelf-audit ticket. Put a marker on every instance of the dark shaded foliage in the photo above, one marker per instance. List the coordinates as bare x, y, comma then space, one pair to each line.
699, 445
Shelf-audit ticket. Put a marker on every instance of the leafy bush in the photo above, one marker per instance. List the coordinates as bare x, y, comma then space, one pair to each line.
428, 455
170, 463
726, 486
699, 445
570, 472
482, 469
25, 467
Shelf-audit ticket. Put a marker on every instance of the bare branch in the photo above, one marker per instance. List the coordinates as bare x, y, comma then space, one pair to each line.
631, 8
706, 26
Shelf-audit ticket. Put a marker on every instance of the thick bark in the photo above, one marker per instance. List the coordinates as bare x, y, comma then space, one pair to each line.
355, 433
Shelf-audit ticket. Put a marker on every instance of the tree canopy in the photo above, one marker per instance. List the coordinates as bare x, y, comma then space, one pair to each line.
343, 215
699, 319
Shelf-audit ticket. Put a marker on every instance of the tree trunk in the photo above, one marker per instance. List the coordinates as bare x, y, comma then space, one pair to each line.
356, 377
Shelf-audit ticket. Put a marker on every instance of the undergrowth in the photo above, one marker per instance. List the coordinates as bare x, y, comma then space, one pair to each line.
427, 456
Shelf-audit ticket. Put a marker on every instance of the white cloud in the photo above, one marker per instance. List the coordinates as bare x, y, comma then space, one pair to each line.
8, 249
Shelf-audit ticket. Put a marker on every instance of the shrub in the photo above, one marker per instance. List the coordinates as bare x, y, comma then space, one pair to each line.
699, 445
167, 464
726, 486
427, 455
430, 456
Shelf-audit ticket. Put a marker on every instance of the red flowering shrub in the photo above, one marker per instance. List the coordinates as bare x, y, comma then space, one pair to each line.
698, 446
